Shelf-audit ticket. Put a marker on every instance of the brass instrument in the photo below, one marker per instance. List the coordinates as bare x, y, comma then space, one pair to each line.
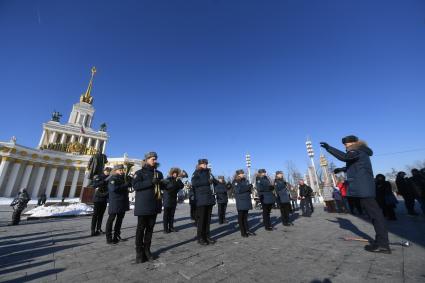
212, 182
158, 195
127, 177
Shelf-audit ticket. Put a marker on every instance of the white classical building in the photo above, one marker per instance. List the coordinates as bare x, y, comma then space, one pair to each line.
58, 166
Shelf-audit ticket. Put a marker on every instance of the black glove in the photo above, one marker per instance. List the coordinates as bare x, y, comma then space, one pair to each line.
324, 145
155, 181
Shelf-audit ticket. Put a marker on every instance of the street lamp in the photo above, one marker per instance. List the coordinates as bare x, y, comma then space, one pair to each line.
248, 166
310, 152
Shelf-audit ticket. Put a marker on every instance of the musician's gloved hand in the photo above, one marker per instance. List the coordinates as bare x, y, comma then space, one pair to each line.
324, 145
155, 181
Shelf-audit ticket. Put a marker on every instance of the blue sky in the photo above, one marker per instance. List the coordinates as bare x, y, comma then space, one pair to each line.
221, 78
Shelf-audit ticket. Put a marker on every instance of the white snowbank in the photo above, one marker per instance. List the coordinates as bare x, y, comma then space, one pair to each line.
7, 201
73, 209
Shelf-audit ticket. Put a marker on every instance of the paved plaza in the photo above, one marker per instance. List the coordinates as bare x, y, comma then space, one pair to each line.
310, 251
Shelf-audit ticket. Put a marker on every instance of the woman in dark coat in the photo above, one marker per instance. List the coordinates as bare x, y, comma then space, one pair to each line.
222, 199
172, 185
385, 197
118, 203
243, 190
267, 198
283, 196
404, 188
361, 184
147, 184
203, 186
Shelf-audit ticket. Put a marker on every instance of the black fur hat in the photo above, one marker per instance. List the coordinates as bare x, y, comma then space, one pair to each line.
350, 138
203, 161
262, 171
240, 171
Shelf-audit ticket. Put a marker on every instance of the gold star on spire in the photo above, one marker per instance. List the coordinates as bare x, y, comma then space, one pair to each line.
87, 96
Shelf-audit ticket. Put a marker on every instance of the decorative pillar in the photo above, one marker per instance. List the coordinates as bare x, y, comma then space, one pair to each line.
96, 145
72, 138
38, 179
86, 179
3, 169
43, 135
53, 137
50, 181
74, 182
27, 174
89, 142
104, 147
63, 138
12, 178
80, 140
62, 182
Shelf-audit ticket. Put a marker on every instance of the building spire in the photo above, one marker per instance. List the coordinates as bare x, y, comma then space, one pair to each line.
87, 96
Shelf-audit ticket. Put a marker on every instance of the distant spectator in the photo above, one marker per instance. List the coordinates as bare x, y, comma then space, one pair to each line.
418, 184
385, 197
404, 188
336, 194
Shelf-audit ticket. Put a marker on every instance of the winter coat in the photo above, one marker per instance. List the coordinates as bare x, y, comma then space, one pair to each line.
171, 188
265, 190
192, 200
418, 185
100, 183
404, 187
145, 202
202, 188
97, 164
306, 191
242, 190
21, 201
221, 193
282, 191
336, 194
360, 179
118, 194
342, 186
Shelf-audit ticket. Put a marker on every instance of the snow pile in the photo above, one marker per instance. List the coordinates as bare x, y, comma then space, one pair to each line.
73, 209
7, 201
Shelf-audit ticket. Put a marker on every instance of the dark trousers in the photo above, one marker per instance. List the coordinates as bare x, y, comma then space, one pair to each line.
16, 216
193, 211
389, 212
168, 218
267, 208
98, 211
203, 221
117, 227
409, 202
144, 231
222, 212
354, 203
294, 204
378, 221
306, 208
310, 200
284, 212
243, 221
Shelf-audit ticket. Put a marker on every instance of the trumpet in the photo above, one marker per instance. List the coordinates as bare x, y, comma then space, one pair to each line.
157, 186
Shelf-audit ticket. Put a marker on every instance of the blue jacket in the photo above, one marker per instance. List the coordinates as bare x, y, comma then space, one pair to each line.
360, 177
265, 190
202, 188
221, 193
171, 187
118, 195
282, 191
146, 203
242, 194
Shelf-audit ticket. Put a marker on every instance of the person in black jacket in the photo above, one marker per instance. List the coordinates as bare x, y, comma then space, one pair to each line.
404, 188
203, 186
283, 197
361, 184
222, 199
147, 183
192, 203
100, 200
305, 195
417, 182
243, 191
118, 203
20, 202
172, 185
267, 198
385, 197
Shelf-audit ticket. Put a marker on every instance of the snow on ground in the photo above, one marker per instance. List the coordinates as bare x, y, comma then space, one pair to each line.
7, 201
73, 209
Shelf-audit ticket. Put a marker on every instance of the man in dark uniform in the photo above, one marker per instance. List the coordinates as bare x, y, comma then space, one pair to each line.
20, 202
222, 199
243, 190
172, 185
267, 198
203, 186
305, 195
147, 184
283, 197
361, 184
118, 203
100, 200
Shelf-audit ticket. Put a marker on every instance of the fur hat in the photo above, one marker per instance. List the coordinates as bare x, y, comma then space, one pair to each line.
350, 138
202, 161
240, 171
150, 155
262, 171
220, 177
174, 170
118, 167
279, 172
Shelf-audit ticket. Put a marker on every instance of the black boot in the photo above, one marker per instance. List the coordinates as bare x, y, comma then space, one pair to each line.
147, 250
140, 255
115, 240
202, 242
374, 248
210, 241
109, 239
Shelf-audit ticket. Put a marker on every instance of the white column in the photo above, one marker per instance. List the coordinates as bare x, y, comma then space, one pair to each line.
74, 182
86, 179
84, 120
80, 140
89, 142
43, 135
50, 181
38, 179
27, 174
96, 145
72, 138
62, 182
63, 138
104, 147
12, 178
53, 137
3, 169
